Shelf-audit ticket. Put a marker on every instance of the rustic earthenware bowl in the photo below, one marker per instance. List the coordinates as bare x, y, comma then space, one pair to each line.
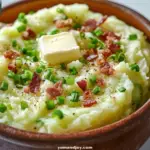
127, 134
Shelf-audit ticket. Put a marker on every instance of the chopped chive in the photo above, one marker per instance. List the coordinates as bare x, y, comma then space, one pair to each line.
92, 79
21, 18
83, 60
57, 113
122, 89
49, 73
24, 105
42, 33
50, 104
4, 86
73, 71
54, 31
18, 62
63, 66
3, 108
70, 80
75, 96
96, 90
11, 74
17, 78
35, 59
28, 75
135, 67
31, 12
14, 43
53, 78
90, 45
21, 28
121, 57
132, 37
97, 32
60, 10
39, 70
77, 26
82, 35
60, 100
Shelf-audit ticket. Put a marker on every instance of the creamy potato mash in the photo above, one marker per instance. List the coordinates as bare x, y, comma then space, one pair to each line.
99, 75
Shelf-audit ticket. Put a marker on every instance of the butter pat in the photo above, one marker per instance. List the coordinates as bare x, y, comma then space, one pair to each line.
59, 48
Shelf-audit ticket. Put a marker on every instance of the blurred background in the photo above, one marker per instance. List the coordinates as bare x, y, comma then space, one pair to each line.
141, 6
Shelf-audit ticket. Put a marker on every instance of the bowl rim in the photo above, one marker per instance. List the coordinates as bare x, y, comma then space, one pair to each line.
16, 133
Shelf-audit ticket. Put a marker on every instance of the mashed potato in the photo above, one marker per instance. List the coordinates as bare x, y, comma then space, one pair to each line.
107, 83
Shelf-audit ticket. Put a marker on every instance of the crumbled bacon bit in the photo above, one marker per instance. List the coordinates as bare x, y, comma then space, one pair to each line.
100, 82
114, 47
106, 53
87, 95
89, 25
106, 69
88, 99
108, 35
82, 84
104, 18
89, 103
34, 85
90, 55
12, 67
11, 54
64, 23
28, 34
55, 91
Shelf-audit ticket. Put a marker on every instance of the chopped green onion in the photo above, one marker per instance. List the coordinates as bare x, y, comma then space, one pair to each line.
49, 73
3, 108
122, 89
31, 12
21, 18
135, 67
21, 28
60, 100
24, 50
39, 69
54, 31
75, 96
121, 57
53, 78
96, 90
94, 40
4, 86
97, 32
35, 59
42, 33
24, 105
58, 113
28, 75
82, 35
90, 45
83, 60
18, 62
11, 74
63, 66
17, 78
50, 104
70, 80
14, 43
60, 10
73, 71
132, 37
77, 26
92, 79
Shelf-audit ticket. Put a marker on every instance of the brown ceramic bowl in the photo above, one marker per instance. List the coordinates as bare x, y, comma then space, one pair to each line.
127, 134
